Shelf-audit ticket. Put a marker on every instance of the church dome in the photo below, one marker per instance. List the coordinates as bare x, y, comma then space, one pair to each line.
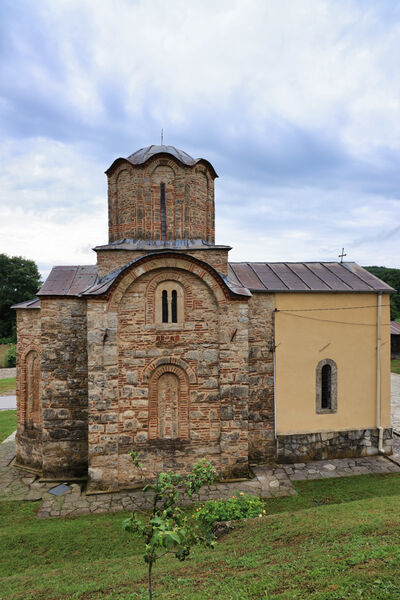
141, 156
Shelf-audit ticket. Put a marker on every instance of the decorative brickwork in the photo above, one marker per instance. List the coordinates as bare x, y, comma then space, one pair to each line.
133, 351
109, 261
161, 352
134, 196
29, 434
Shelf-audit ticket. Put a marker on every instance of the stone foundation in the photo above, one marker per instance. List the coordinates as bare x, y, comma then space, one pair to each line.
334, 444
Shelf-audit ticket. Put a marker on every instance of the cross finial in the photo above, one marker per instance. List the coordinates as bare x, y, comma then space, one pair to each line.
342, 255
162, 137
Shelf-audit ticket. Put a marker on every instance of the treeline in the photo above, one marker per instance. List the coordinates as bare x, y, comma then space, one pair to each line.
19, 281
392, 278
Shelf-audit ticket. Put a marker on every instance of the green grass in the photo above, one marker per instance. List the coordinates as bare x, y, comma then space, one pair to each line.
7, 385
395, 366
8, 424
3, 355
338, 539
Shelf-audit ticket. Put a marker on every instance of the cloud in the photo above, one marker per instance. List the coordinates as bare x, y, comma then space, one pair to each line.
295, 104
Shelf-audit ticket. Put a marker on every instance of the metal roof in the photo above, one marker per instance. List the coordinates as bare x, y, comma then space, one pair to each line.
160, 245
35, 303
144, 154
394, 328
243, 278
69, 281
305, 277
103, 285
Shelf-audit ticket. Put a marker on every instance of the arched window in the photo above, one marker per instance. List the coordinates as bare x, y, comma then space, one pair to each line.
169, 302
326, 386
326, 392
32, 398
164, 306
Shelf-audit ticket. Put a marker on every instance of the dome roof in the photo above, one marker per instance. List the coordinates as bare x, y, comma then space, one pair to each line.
141, 156
144, 154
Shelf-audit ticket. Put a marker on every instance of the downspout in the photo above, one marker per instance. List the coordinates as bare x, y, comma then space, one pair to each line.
378, 373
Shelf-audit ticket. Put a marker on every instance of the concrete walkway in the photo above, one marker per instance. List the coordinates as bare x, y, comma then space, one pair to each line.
8, 402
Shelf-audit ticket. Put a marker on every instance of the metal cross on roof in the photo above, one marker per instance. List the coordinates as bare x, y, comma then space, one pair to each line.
342, 255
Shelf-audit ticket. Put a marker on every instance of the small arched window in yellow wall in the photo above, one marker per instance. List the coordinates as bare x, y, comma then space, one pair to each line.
326, 386
169, 303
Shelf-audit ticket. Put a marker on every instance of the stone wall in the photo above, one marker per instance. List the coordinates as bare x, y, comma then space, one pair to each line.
145, 376
333, 444
112, 260
262, 446
29, 434
64, 386
134, 201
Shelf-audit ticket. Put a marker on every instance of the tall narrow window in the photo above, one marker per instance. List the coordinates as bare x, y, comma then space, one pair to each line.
163, 212
165, 306
326, 380
174, 306
326, 393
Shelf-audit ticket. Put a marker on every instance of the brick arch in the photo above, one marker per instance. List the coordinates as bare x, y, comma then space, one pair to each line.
163, 162
149, 263
169, 362
182, 402
153, 285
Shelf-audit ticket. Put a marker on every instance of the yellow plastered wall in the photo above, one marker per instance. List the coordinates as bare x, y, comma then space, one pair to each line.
345, 332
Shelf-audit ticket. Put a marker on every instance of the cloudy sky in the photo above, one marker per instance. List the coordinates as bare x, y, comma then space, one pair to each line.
296, 103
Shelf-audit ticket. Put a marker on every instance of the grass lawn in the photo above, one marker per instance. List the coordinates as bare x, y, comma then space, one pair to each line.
7, 385
3, 355
8, 424
338, 539
395, 366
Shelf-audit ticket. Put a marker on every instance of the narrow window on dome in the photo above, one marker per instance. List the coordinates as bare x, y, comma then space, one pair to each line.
174, 306
163, 212
326, 392
165, 306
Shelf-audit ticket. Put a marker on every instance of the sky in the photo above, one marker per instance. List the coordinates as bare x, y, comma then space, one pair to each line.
296, 104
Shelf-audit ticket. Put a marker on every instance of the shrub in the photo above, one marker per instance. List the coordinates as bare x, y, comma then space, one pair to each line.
12, 356
239, 506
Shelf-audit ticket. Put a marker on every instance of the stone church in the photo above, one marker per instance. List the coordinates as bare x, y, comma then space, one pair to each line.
165, 347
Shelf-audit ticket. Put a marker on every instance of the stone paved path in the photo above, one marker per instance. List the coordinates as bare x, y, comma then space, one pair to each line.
16, 484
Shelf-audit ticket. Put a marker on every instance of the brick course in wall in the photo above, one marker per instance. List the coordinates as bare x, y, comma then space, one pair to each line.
100, 375
109, 261
135, 204
207, 352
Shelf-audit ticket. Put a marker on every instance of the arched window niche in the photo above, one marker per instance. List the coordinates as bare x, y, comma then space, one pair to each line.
32, 380
168, 404
169, 303
326, 387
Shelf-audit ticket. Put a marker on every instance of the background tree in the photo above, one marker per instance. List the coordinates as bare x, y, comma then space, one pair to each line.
392, 278
19, 281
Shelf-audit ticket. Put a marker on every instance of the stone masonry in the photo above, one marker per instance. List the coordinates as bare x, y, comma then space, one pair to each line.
160, 348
